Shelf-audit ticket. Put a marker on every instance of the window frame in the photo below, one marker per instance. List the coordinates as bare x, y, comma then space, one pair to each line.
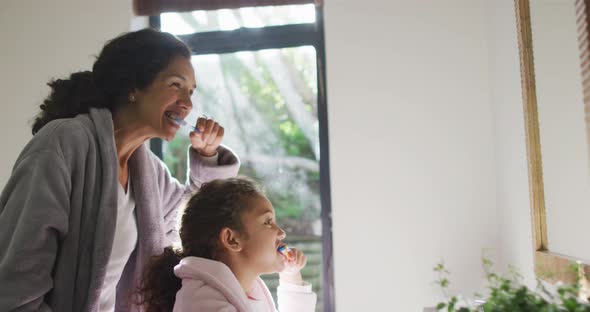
278, 37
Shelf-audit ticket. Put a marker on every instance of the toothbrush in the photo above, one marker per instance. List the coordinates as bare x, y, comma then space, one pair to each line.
285, 251
181, 122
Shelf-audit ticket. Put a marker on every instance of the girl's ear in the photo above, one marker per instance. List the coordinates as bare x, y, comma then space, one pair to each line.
230, 240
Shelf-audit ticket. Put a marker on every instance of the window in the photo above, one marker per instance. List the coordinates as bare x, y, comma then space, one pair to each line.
260, 74
232, 19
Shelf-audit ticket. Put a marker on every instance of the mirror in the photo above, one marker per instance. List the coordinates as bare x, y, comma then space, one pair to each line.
555, 58
562, 127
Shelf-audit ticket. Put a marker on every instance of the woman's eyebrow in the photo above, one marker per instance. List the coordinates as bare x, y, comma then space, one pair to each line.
183, 78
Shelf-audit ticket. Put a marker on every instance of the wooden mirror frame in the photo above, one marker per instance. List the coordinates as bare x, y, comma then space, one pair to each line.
549, 266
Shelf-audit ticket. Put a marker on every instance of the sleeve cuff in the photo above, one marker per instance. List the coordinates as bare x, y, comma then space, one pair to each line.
290, 287
210, 161
225, 164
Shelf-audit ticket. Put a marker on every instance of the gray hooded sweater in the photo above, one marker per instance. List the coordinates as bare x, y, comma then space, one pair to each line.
58, 215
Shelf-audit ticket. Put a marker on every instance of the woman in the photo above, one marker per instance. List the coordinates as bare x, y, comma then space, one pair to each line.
87, 203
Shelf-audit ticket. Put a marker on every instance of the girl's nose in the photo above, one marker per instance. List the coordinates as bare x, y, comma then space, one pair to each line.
282, 234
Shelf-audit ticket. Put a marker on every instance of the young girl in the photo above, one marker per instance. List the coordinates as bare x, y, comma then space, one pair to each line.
229, 238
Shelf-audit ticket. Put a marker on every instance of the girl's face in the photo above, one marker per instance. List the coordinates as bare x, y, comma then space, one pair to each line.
169, 93
261, 237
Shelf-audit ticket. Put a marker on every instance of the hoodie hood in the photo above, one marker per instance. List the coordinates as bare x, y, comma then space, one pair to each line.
219, 276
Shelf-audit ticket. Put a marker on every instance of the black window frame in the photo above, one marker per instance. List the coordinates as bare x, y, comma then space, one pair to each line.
278, 37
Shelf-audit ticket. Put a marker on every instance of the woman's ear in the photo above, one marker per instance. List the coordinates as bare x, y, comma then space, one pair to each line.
132, 98
230, 240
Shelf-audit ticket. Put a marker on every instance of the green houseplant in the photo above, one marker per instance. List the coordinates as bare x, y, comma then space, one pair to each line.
509, 294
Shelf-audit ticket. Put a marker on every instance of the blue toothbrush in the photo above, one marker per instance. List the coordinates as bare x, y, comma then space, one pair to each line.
181, 122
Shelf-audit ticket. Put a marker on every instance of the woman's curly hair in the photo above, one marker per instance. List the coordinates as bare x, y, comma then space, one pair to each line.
126, 63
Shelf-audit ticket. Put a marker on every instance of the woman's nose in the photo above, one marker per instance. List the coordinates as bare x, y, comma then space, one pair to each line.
185, 102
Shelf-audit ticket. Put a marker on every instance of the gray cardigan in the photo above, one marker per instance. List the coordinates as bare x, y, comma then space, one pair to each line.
58, 214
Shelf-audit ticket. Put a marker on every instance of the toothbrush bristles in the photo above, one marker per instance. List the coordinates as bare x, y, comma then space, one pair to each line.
181, 122
285, 251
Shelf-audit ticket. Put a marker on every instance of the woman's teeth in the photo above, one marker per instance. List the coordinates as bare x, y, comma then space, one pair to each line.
171, 115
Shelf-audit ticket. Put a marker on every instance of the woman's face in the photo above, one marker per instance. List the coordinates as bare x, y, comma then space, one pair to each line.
263, 237
169, 94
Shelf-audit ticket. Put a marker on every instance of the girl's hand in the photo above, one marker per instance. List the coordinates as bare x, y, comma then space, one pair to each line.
207, 142
295, 263
292, 272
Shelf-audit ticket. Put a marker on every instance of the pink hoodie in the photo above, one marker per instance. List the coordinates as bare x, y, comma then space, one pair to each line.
210, 286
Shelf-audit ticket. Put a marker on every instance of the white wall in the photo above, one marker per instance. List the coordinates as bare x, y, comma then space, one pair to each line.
43, 40
412, 149
512, 188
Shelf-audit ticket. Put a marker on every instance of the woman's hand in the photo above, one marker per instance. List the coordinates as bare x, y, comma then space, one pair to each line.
207, 142
292, 272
